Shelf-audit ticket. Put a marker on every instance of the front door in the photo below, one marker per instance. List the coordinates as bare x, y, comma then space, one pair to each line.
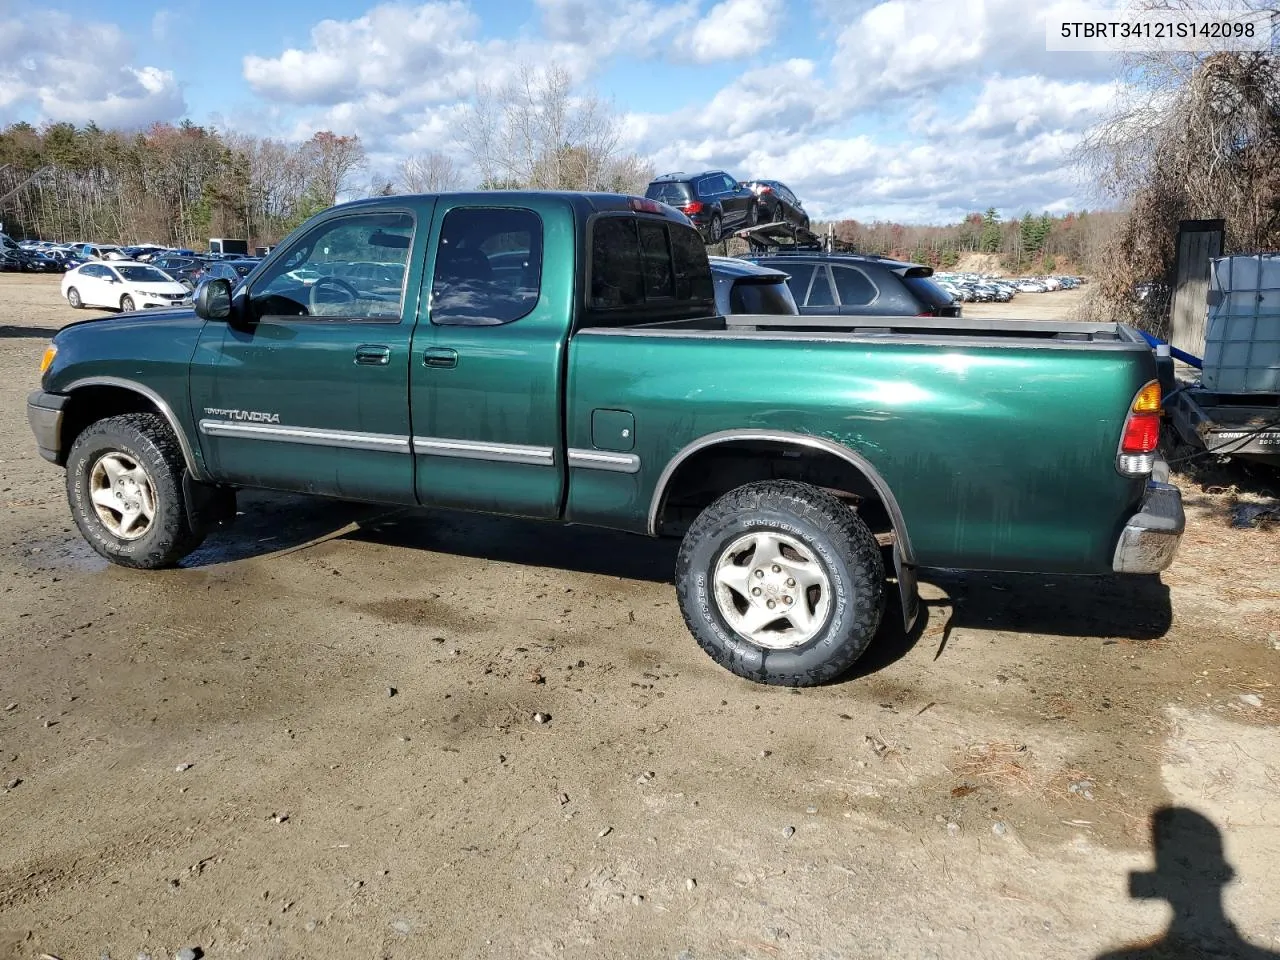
307, 390
486, 367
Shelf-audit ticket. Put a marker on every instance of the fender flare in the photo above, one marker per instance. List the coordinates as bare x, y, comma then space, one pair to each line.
903, 555
188, 453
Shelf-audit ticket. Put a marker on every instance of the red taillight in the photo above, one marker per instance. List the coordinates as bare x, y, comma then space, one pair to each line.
1141, 433
766, 189
693, 206
1141, 436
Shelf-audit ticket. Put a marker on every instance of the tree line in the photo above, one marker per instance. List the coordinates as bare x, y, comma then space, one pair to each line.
180, 184
1032, 243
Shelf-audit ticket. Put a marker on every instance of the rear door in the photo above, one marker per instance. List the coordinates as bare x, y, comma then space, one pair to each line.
93, 285
308, 392
487, 362
856, 291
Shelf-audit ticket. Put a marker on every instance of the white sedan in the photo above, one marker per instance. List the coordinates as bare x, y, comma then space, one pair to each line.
122, 285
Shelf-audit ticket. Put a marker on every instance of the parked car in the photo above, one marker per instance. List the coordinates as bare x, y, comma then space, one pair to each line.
37, 261
182, 268
852, 285
776, 203
100, 251
232, 270
743, 287
9, 253
597, 385
121, 285
713, 200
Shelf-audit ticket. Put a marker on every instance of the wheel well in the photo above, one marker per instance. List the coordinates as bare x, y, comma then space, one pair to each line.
90, 404
708, 473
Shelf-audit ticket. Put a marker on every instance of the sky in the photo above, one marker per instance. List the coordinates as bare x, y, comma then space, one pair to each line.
911, 110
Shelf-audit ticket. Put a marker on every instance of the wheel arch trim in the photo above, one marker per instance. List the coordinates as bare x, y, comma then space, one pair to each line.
852, 457
162, 405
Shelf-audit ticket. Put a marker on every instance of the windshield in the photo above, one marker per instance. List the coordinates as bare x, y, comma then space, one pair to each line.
672, 194
141, 274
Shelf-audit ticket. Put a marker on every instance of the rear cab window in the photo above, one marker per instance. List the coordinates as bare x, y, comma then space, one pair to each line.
639, 264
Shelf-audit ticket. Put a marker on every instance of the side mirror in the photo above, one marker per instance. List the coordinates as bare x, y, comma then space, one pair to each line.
213, 300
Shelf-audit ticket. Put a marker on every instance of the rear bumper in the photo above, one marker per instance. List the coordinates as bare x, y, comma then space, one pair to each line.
1150, 539
44, 414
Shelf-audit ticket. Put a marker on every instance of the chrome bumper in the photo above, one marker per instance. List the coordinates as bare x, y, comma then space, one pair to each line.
1150, 539
44, 413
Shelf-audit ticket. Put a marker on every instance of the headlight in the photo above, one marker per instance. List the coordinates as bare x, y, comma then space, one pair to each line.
46, 361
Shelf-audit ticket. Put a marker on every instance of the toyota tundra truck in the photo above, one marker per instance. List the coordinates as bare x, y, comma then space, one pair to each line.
559, 357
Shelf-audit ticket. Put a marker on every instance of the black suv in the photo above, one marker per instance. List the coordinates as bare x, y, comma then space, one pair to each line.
713, 200
777, 203
861, 286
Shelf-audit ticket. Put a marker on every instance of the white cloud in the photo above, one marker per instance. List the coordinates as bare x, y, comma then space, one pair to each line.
902, 47
733, 29
62, 68
391, 49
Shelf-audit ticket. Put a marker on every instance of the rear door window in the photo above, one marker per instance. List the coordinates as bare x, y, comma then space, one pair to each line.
820, 293
488, 267
801, 274
854, 287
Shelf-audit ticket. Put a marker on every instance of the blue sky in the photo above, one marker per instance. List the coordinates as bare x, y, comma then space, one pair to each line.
915, 110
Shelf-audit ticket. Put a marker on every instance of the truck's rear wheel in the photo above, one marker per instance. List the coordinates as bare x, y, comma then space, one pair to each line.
124, 484
781, 583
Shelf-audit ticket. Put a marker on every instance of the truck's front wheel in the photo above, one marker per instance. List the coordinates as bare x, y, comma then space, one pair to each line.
781, 583
124, 484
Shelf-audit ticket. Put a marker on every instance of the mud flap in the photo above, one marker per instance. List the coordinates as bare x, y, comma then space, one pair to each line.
907, 591
209, 506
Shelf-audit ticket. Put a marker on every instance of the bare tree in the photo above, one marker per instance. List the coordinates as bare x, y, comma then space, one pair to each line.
1194, 136
428, 172
333, 160
536, 132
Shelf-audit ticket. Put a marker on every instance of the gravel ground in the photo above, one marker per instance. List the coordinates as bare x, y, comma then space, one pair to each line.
317, 739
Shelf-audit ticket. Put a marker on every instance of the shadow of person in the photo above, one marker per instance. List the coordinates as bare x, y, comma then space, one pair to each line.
1191, 870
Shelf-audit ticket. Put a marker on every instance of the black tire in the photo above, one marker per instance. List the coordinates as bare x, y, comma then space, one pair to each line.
127, 305
147, 439
715, 228
73, 298
839, 541
780, 213
753, 214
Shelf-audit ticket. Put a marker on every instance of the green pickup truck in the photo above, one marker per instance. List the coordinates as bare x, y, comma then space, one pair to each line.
559, 357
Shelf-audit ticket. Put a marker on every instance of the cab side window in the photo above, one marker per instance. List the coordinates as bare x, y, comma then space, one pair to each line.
322, 276
488, 268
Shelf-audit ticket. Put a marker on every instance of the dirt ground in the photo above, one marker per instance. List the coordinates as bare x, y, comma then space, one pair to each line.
1055, 305
316, 739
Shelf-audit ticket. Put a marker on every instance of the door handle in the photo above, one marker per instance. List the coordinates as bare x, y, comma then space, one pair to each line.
373, 355
439, 357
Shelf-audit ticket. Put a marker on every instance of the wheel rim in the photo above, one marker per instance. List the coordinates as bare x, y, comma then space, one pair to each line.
73, 296
772, 590
127, 304
123, 495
